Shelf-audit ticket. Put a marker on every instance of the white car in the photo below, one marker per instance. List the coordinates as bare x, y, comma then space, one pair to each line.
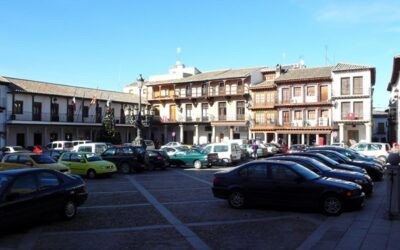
228, 152
174, 150
172, 144
376, 149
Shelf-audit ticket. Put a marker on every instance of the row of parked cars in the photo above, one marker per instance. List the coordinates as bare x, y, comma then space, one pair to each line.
326, 177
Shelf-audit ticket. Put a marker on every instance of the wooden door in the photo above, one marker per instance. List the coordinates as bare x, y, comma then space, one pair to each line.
172, 113
353, 136
323, 93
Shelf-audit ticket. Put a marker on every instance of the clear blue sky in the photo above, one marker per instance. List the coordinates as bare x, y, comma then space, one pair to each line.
106, 44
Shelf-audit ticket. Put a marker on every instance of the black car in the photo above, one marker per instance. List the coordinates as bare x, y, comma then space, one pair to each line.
285, 183
374, 170
318, 167
126, 158
351, 153
330, 162
32, 193
157, 159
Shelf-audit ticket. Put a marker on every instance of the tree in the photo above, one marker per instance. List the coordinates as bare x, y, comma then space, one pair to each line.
108, 132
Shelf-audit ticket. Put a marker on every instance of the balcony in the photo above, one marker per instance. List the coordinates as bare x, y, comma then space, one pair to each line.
59, 117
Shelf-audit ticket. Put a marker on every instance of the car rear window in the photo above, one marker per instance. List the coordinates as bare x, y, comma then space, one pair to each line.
220, 148
68, 145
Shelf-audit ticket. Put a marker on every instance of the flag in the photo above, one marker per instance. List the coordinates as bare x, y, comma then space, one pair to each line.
74, 103
93, 100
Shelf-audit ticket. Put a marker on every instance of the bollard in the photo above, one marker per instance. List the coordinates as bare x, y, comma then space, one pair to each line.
393, 187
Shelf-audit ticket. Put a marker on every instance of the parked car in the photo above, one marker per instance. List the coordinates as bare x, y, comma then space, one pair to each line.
91, 147
55, 154
262, 151
321, 169
149, 144
77, 142
272, 148
173, 150
60, 145
158, 159
284, 183
280, 148
87, 164
297, 148
172, 144
339, 144
374, 149
374, 170
126, 158
194, 157
32, 160
11, 149
351, 153
228, 153
33, 193
330, 162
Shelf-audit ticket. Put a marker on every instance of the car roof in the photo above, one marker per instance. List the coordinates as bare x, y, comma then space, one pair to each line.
13, 172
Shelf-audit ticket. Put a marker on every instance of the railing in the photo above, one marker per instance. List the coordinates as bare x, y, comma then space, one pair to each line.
61, 117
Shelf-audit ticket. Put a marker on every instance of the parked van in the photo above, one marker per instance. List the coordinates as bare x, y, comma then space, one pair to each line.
94, 147
60, 145
228, 152
77, 142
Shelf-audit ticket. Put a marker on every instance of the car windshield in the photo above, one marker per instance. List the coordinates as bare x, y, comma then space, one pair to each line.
3, 181
320, 165
93, 157
305, 172
42, 159
327, 159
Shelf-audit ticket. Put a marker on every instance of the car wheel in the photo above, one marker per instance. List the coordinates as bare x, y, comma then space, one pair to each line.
69, 210
236, 199
91, 174
332, 205
125, 168
197, 164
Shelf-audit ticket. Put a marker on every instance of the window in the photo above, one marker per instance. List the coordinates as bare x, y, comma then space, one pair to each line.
311, 115
11, 159
188, 112
358, 110
260, 117
220, 148
270, 97
311, 91
298, 115
76, 158
240, 110
23, 185
24, 159
221, 88
345, 86
358, 85
324, 113
297, 91
285, 95
48, 180
270, 115
285, 115
164, 93
222, 111
18, 107
345, 110
188, 90
381, 128
85, 111
260, 98
204, 89
54, 112
283, 173
37, 111
257, 170
204, 112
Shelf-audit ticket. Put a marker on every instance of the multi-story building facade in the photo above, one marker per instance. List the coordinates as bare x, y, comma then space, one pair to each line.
205, 107
394, 104
35, 113
352, 90
380, 125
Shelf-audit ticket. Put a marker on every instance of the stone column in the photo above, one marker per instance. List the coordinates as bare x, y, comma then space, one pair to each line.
230, 132
368, 131
302, 139
317, 139
180, 133
276, 137
265, 137
289, 140
196, 134
341, 133
213, 134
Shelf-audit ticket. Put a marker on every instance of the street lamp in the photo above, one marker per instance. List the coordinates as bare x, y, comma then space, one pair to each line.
138, 111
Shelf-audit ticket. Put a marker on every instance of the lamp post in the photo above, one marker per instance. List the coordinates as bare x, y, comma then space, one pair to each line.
138, 111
